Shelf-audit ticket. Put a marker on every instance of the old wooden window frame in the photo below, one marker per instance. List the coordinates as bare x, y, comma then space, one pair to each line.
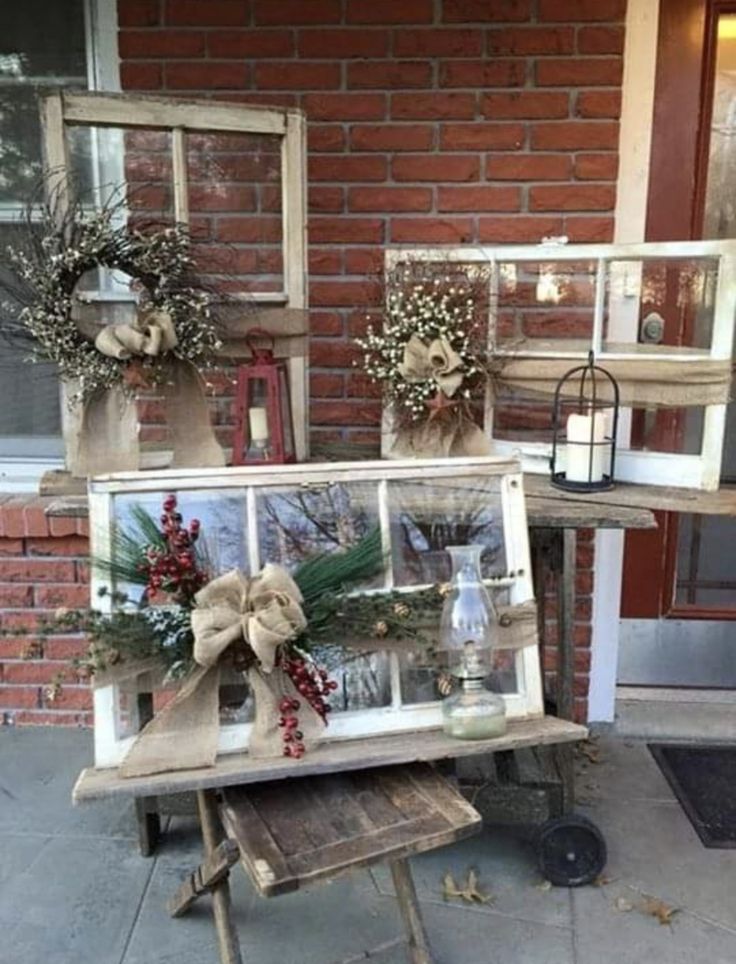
61, 110
110, 742
699, 470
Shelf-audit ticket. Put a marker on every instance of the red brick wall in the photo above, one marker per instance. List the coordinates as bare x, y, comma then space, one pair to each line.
429, 121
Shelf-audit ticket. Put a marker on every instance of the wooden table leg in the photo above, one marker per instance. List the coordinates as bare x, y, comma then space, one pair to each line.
566, 662
149, 825
419, 952
212, 834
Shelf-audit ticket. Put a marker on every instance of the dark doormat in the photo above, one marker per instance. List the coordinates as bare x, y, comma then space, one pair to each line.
703, 778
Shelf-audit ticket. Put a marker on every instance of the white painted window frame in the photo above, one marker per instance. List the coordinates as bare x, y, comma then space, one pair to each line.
111, 743
21, 472
701, 470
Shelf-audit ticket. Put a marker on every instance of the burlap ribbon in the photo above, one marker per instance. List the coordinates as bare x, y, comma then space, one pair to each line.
437, 360
108, 433
264, 611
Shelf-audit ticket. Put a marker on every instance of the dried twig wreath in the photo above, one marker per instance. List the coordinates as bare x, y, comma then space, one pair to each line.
175, 309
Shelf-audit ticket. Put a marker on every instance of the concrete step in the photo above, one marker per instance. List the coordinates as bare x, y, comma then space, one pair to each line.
676, 714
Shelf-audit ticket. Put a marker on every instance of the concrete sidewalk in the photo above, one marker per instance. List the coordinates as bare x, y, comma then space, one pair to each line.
73, 889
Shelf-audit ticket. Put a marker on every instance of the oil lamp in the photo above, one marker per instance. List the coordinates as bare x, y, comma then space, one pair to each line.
468, 634
264, 432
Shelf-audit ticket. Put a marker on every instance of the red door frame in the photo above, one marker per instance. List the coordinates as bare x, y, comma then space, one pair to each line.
684, 79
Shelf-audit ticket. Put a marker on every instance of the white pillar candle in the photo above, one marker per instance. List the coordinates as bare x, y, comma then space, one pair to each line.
581, 431
258, 424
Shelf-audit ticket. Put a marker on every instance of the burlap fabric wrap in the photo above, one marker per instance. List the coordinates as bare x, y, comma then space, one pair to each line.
450, 430
107, 438
264, 611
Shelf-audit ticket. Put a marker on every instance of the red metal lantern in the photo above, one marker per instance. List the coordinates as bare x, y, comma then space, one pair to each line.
264, 433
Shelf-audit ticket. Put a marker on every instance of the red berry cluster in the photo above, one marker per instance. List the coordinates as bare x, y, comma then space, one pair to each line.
173, 569
313, 684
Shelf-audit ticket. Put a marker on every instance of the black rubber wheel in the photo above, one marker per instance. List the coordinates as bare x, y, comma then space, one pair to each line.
571, 851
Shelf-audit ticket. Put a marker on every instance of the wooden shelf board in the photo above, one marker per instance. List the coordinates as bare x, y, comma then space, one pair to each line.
331, 757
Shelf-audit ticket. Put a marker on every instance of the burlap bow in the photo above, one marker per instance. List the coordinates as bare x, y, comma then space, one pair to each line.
264, 611
437, 360
152, 333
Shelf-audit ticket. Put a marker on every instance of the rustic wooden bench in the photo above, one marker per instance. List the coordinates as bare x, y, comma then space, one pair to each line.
288, 834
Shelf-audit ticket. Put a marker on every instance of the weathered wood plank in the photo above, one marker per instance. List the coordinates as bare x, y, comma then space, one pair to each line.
419, 952
333, 757
439, 815
227, 936
543, 511
214, 869
628, 495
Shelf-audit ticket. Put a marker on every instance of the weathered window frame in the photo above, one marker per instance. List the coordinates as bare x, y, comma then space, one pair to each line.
527, 702
61, 110
702, 470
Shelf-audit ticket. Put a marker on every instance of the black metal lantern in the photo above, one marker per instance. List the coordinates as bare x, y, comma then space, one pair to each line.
585, 423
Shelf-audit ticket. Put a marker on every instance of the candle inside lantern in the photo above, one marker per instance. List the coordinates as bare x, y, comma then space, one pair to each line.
586, 462
258, 424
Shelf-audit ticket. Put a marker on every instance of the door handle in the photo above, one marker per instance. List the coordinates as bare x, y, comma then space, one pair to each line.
651, 329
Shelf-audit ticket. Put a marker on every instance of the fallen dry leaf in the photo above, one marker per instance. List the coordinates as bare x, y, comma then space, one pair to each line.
590, 751
623, 905
655, 907
603, 881
470, 892
544, 885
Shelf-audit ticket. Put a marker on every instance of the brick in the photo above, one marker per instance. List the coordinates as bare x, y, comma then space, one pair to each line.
14, 647
70, 698
345, 413
574, 11
356, 42
531, 41
16, 595
590, 229
292, 13
62, 526
390, 199
30, 672
518, 230
485, 11
480, 198
358, 322
364, 261
392, 137
350, 167
359, 385
344, 107
293, 75
346, 230
389, 11
324, 261
598, 103
589, 71
17, 697
139, 13
71, 597
600, 40
452, 42
325, 323
245, 230
250, 43
49, 718
432, 231
440, 106
11, 547
65, 647
575, 135
481, 137
332, 354
483, 73
36, 570
326, 138
214, 13
342, 293
326, 198
435, 167
206, 76
388, 74
523, 104
35, 520
528, 167
596, 167
148, 44
322, 385
557, 324
572, 197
